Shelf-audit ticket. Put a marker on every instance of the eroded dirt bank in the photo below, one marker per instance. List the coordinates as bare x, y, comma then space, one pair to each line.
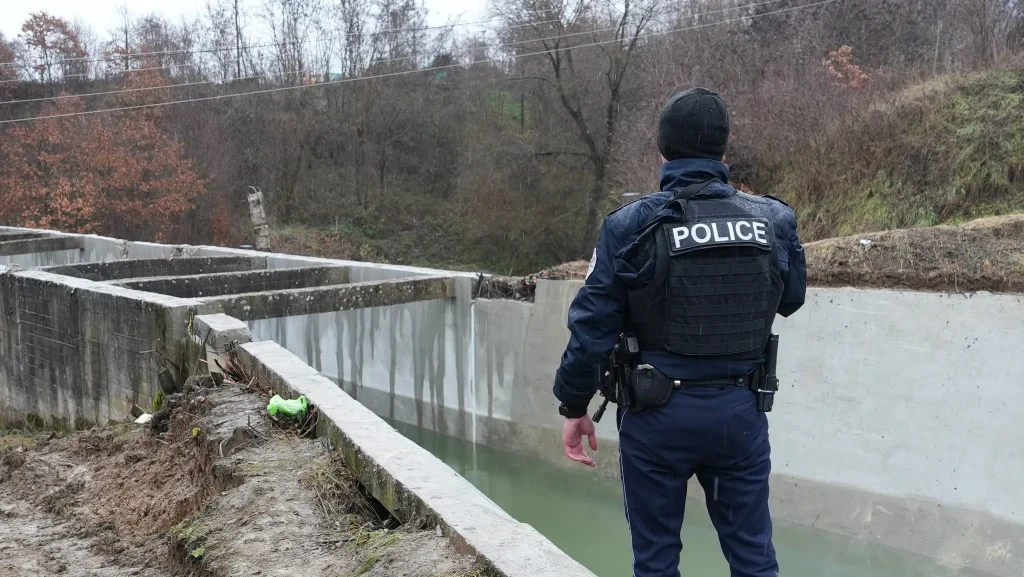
986, 254
209, 489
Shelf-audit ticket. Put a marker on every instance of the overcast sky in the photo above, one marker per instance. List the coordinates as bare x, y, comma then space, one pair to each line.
102, 16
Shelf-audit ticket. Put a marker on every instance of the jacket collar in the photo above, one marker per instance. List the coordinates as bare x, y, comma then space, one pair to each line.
676, 174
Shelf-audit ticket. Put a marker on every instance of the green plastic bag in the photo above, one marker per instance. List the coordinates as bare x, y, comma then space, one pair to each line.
289, 408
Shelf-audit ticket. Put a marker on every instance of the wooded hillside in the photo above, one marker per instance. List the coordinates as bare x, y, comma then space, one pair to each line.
500, 145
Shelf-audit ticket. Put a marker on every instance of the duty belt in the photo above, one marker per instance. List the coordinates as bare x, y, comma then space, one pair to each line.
744, 381
758, 382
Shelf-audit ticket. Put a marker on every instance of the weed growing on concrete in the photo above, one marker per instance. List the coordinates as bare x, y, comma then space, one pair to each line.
159, 400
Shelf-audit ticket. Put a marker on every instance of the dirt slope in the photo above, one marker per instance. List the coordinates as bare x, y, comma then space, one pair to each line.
983, 255
212, 490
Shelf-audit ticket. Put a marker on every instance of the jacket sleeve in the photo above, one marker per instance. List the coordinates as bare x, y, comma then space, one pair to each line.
596, 318
793, 265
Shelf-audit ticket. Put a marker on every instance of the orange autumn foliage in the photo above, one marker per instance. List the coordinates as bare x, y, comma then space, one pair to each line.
113, 173
8, 73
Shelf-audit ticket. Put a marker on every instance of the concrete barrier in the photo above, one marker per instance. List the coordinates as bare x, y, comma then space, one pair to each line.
228, 283
37, 245
76, 352
120, 270
329, 299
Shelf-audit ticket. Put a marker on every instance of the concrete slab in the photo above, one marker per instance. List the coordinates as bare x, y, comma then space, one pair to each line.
44, 244
220, 330
329, 299
143, 268
410, 482
228, 283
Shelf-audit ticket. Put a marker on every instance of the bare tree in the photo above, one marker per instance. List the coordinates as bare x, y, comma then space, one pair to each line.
568, 32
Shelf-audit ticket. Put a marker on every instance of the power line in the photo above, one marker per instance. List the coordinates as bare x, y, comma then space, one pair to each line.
383, 61
321, 40
405, 72
171, 66
121, 57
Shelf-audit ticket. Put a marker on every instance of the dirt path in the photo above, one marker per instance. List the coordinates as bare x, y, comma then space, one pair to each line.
34, 543
213, 491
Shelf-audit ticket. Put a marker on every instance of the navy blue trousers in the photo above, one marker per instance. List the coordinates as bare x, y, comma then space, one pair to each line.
720, 436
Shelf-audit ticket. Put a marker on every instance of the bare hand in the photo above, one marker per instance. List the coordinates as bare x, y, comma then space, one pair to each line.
573, 431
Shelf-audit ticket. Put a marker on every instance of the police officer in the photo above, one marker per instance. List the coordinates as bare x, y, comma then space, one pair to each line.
697, 272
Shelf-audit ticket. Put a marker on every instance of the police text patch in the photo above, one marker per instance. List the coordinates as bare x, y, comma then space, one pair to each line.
713, 232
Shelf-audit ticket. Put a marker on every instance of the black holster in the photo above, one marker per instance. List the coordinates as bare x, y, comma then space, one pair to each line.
765, 383
649, 388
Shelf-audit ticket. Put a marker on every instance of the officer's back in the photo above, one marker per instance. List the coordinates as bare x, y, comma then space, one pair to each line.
697, 272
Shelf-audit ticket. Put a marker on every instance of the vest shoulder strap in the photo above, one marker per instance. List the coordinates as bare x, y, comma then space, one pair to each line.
779, 200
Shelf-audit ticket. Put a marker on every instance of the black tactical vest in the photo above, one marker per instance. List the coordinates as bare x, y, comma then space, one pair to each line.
716, 286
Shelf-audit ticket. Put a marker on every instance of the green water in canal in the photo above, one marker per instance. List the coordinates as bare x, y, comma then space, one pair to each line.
582, 513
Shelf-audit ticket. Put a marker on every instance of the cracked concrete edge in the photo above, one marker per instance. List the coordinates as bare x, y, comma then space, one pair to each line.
408, 480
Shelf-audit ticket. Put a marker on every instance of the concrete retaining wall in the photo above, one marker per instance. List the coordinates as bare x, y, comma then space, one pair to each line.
894, 422
900, 393
76, 352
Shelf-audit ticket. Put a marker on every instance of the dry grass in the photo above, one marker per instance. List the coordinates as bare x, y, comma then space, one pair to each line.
985, 254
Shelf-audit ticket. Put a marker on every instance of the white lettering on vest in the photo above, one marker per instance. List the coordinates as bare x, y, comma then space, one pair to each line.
719, 231
707, 233
718, 237
759, 233
679, 234
739, 234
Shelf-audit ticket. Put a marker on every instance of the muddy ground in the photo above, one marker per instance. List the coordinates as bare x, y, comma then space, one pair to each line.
986, 254
213, 490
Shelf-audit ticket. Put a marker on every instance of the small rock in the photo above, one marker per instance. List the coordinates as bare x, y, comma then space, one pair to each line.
143, 419
439, 532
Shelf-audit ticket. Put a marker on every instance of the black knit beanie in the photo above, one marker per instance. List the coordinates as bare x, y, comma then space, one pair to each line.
693, 124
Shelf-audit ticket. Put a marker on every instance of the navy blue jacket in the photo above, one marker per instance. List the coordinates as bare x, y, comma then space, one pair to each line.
597, 314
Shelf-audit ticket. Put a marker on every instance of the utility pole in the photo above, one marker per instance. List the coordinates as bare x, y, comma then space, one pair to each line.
127, 48
238, 45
